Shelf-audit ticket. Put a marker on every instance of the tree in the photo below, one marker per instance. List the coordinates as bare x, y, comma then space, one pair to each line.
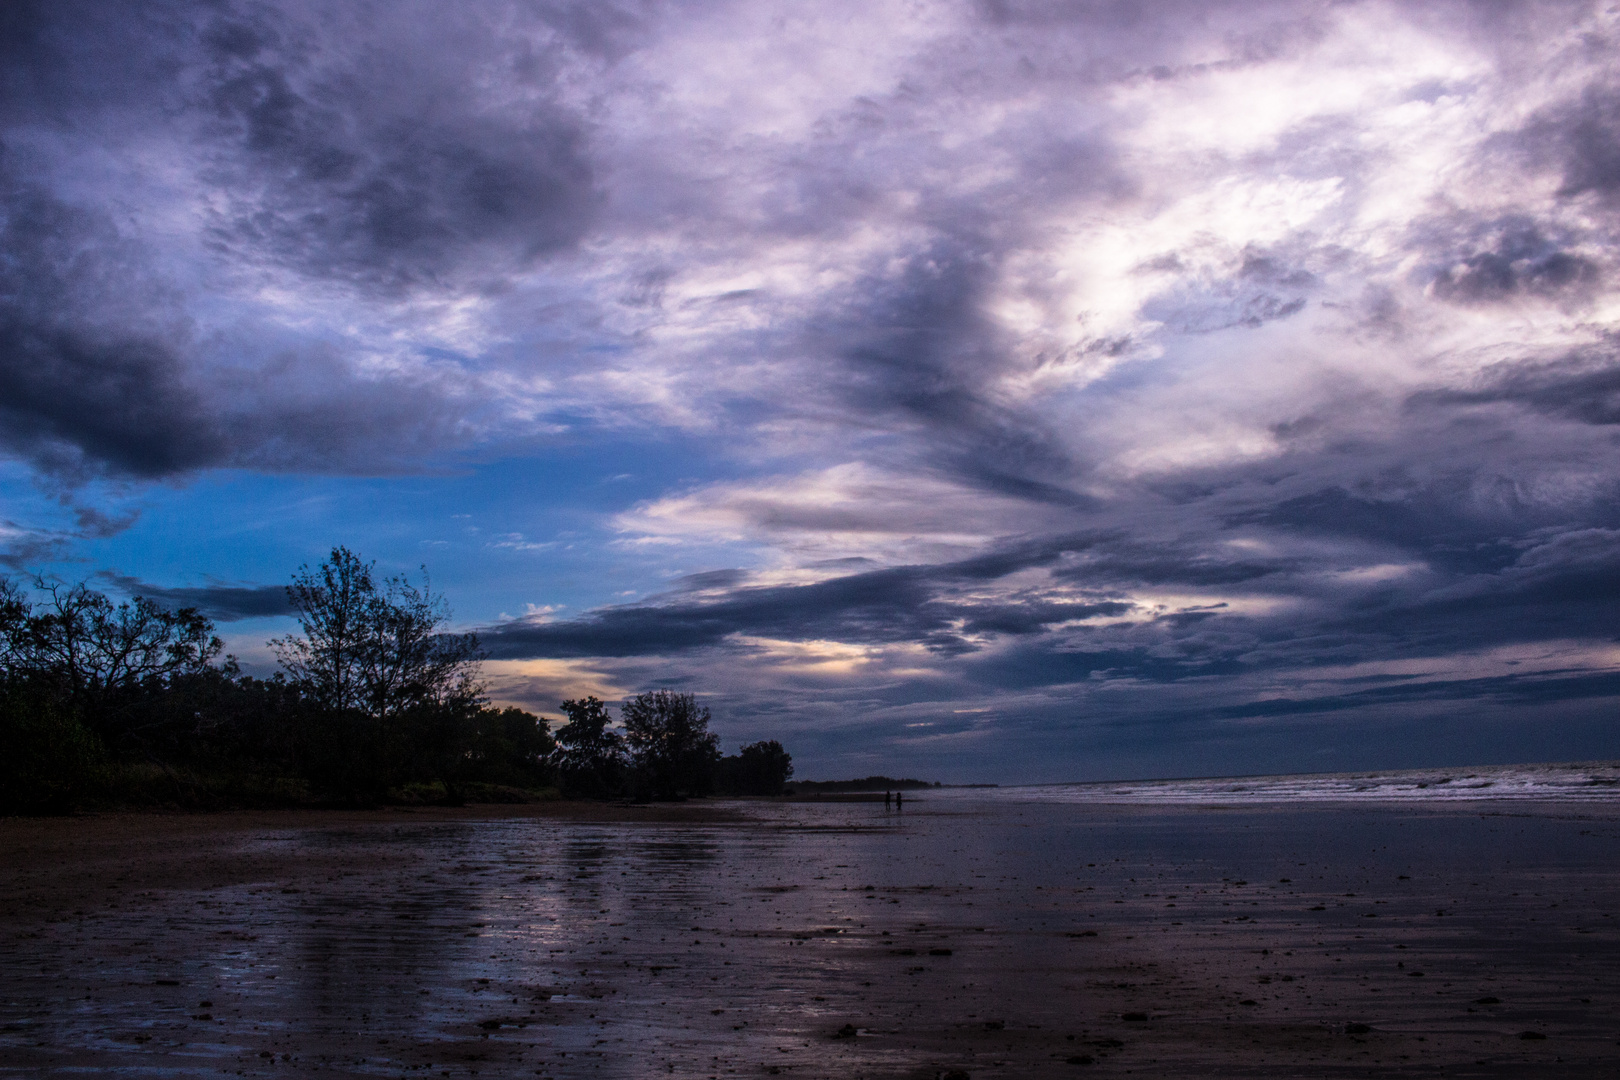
14, 612
337, 605
378, 649
106, 700
80, 675
510, 746
671, 748
589, 754
51, 761
761, 768
396, 694
101, 658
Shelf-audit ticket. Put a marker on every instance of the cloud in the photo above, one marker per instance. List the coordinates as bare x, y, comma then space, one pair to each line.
89, 373
1514, 689
1512, 257
1096, 369
181, 185
346, 164
847, 511
101, 374
1584, 131
1582, 388
223, 603
900, 604
23, 548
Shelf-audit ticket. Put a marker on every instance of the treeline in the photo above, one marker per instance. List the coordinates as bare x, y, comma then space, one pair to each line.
665, 750
105, 703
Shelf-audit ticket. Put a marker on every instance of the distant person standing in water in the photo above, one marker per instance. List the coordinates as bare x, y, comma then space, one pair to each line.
886, 798
899, 799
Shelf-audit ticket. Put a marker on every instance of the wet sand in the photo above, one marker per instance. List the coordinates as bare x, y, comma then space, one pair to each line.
963, 935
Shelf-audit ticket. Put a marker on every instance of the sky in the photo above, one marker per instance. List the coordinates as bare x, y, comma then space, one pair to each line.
1001, 391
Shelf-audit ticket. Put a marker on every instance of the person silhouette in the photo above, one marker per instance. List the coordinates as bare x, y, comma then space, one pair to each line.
898, 798
886, 800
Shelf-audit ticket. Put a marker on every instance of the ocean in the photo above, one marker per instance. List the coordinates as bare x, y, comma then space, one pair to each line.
1583, 781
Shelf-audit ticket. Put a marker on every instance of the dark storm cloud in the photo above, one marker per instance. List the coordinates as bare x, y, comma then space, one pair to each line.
98, 372
917, 352
1559, 585
1563, 577
1587, 131
347, 145
711, 579
1512, 257
887, 605
1584, 389
224, 603
1126, 563
86, 373
933, 605
379, 170
1437, 522
1039, 666
1551, 583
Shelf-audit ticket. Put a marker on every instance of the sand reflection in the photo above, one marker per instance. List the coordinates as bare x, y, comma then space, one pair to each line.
985, 936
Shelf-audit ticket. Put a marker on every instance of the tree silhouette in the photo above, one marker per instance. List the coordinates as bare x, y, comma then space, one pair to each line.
671, 748
99, 658
103, 701
761, 768
379, 649
396, 695
589, 754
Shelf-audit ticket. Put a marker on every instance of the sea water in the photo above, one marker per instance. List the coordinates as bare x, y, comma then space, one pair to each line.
1583, 781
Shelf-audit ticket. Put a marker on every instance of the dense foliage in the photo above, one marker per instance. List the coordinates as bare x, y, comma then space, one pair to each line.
109, 703
761, 768
664, 751
117, 702
672, 751
590, 754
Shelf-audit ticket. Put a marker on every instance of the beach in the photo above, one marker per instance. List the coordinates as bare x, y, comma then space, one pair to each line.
973, 933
